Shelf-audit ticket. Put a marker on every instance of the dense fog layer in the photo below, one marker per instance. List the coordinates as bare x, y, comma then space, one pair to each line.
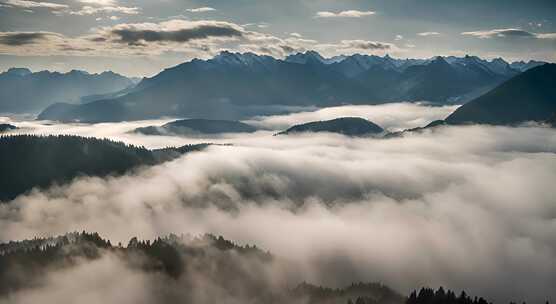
469, 207
393, 117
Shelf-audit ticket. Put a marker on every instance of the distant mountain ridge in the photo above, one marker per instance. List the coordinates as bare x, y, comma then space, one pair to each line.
22, 91
233, 86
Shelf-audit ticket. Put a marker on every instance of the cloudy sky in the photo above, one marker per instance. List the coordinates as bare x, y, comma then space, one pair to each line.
141, 37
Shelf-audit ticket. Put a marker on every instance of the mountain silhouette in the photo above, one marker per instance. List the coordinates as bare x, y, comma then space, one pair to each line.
350, 126
530, 96
233, 86
22, 91
197, 126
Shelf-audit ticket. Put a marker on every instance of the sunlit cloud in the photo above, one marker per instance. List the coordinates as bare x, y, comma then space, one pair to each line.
344, 14
509, 33
201, 9
90, 10
34, 4
428, 34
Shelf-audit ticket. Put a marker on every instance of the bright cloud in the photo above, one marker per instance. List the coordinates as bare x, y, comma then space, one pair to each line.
509, 33
201, 9
344, 14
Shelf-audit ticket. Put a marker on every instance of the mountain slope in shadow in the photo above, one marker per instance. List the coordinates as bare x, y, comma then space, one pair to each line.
39, 162
530, 96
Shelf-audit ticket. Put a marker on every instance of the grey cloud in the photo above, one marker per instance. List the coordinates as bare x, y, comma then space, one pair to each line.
98, 39
70, 48
368, 45
135, 36
22, 38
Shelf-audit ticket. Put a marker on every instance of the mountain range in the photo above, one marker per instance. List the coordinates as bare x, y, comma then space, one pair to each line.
22, 91
234, 86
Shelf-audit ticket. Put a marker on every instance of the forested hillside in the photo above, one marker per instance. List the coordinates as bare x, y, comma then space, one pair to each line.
175, 265
34, 161
178, 263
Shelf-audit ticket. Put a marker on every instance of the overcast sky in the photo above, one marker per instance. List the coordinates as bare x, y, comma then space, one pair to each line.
141, 37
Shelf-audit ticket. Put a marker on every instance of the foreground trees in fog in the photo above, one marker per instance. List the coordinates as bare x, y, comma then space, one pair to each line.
202, 269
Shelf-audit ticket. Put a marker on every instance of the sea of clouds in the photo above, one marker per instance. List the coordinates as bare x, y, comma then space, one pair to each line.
468, 207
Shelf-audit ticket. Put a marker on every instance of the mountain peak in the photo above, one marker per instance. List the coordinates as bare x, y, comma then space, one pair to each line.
313, 53
242, 59
439, 60
310, 56
78, 72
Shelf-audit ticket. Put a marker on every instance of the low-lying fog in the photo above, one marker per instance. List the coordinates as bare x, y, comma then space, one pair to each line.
392, 117
470, 207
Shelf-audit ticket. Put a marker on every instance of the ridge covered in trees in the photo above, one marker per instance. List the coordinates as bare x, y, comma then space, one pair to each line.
30, 161
178, 262
428, 295
22, 263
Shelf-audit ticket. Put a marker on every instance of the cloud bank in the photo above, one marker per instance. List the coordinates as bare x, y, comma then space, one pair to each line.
23, 38
197, 30
467, 207
392, 116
